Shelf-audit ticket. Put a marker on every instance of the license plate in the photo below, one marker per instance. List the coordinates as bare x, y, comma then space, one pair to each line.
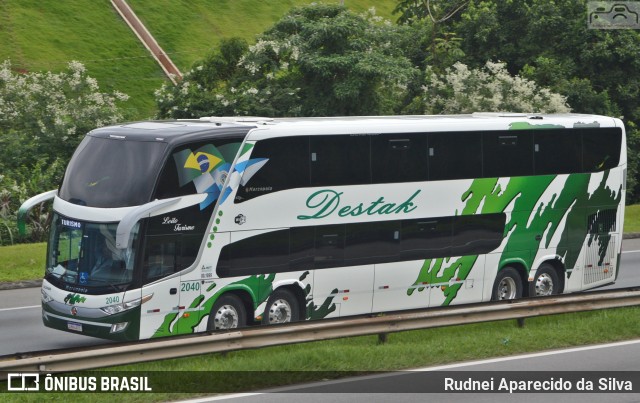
74, 326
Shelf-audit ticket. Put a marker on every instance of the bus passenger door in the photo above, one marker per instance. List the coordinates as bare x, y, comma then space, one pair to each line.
159, 316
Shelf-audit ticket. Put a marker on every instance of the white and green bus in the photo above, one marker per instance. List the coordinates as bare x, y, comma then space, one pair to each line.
167, 228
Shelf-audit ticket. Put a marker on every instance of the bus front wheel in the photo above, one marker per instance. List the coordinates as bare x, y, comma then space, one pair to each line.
282, 307
227, 313
508, 285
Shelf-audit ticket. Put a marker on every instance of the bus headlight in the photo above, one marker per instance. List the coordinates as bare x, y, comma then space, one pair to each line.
117, 308
45, 297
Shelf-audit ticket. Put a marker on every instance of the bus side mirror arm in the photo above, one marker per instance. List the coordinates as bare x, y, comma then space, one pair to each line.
123, 232
27, 205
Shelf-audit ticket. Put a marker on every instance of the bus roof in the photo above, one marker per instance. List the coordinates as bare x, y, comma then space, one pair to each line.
263, 127
170, 131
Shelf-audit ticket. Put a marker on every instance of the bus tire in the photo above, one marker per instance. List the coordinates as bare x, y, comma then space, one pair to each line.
282, 307
546, 281
227, 313
508, 285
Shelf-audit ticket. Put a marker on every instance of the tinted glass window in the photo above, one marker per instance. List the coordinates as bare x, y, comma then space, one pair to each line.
287, 167
198, 167
160, 255
557, 152
477, 234
265, 253
399, 158
425, 239
302, 248
340, 160
329, 246
454, 156
507, 154
190, 246
372, 242
112, 172
600, 149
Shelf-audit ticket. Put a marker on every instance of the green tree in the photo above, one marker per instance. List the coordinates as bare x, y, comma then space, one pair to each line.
318, 60
488, 89
43, 118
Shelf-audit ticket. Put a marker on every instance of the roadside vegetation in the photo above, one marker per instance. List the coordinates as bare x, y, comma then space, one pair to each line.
632, 218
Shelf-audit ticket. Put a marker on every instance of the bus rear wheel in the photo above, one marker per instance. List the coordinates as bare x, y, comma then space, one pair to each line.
227, 313
546, 281
508, 285
282, 307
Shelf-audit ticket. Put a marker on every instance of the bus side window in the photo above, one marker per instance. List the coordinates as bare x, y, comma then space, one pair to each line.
188, 162
258, 254
372, 243
477, 234
329, 246
160, 257
507, 154
287, 167
399, 158
340, 160
557, 152
600, 149
426, 238
454, 156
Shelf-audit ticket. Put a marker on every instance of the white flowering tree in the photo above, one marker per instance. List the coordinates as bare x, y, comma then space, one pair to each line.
43, 117
318, 60
489, 89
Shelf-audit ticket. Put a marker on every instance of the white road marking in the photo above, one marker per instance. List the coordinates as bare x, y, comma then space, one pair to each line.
20, 307
630, 251
526, 356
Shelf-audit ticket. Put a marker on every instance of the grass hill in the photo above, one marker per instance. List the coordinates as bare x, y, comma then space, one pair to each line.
44, 35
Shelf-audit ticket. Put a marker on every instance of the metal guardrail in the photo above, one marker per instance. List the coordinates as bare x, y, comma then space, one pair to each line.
257, 337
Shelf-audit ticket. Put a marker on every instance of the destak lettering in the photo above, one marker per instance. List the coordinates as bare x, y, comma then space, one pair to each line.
326, 202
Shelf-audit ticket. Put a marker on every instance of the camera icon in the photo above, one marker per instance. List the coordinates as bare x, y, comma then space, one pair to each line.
619, 15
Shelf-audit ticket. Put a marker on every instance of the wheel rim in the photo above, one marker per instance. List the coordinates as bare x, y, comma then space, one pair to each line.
544, 285
280, 311
507, 288
226, 317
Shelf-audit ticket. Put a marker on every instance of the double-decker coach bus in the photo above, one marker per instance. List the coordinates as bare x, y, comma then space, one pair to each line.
166, 228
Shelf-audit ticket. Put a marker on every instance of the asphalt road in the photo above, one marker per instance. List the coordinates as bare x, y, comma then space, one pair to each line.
23, 331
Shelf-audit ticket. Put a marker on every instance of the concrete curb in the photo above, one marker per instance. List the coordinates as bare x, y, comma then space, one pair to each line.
12, 285
38, 283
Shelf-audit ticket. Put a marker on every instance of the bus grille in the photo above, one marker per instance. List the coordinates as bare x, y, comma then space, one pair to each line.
598, 268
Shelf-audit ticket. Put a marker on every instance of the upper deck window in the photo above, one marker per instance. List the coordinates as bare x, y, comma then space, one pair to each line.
105, 172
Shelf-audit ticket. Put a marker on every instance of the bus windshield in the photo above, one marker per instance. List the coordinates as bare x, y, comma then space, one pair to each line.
83, 254
105, 172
